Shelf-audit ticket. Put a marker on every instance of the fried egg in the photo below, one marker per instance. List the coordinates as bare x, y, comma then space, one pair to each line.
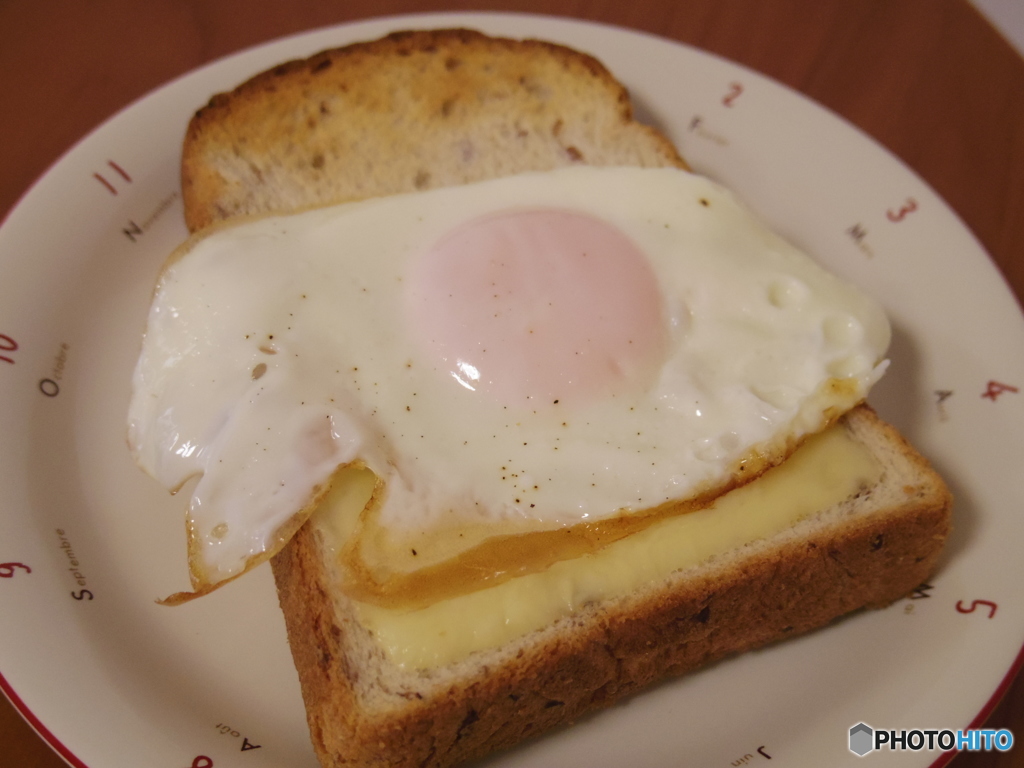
526, 353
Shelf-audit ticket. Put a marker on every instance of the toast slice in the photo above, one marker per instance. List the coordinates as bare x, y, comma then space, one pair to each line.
423, 109
414, 110
365, 710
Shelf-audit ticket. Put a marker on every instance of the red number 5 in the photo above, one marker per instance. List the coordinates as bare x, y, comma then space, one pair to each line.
974, 606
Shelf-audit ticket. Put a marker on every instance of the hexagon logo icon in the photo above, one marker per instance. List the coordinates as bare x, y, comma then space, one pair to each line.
861, 739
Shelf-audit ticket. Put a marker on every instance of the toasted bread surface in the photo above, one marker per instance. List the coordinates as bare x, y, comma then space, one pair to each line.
413, 110
868, 551
423, 109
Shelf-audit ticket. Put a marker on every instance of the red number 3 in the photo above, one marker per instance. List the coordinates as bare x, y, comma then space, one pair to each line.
901, 214
7, 569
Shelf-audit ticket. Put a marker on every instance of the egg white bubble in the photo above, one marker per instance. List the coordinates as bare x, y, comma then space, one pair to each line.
280, 348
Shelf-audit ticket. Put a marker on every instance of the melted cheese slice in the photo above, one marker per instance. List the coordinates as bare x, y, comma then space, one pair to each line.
828, 469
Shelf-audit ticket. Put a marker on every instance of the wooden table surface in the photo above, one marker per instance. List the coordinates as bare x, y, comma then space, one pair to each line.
929, 79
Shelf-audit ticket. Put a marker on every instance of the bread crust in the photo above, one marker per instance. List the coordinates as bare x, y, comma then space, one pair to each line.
413, 110
779, 588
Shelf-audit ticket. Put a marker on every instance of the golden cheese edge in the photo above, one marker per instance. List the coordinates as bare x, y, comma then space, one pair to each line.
828, 469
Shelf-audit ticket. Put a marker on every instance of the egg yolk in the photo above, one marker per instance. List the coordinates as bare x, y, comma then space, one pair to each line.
539, 306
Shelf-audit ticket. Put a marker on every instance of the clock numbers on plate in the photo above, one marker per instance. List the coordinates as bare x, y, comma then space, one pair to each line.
899, 214
7, 344
859, 233
996, 388
961, 608
735, 89
921, 592
993, 390
7, 570
121, 172
700, 128
202, 761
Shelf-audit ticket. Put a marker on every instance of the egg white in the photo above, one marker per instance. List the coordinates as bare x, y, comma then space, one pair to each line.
279, 349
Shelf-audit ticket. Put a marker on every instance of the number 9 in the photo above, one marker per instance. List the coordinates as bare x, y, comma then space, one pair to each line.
7, 570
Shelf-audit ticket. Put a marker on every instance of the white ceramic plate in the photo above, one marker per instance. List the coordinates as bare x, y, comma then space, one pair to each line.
87, 542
